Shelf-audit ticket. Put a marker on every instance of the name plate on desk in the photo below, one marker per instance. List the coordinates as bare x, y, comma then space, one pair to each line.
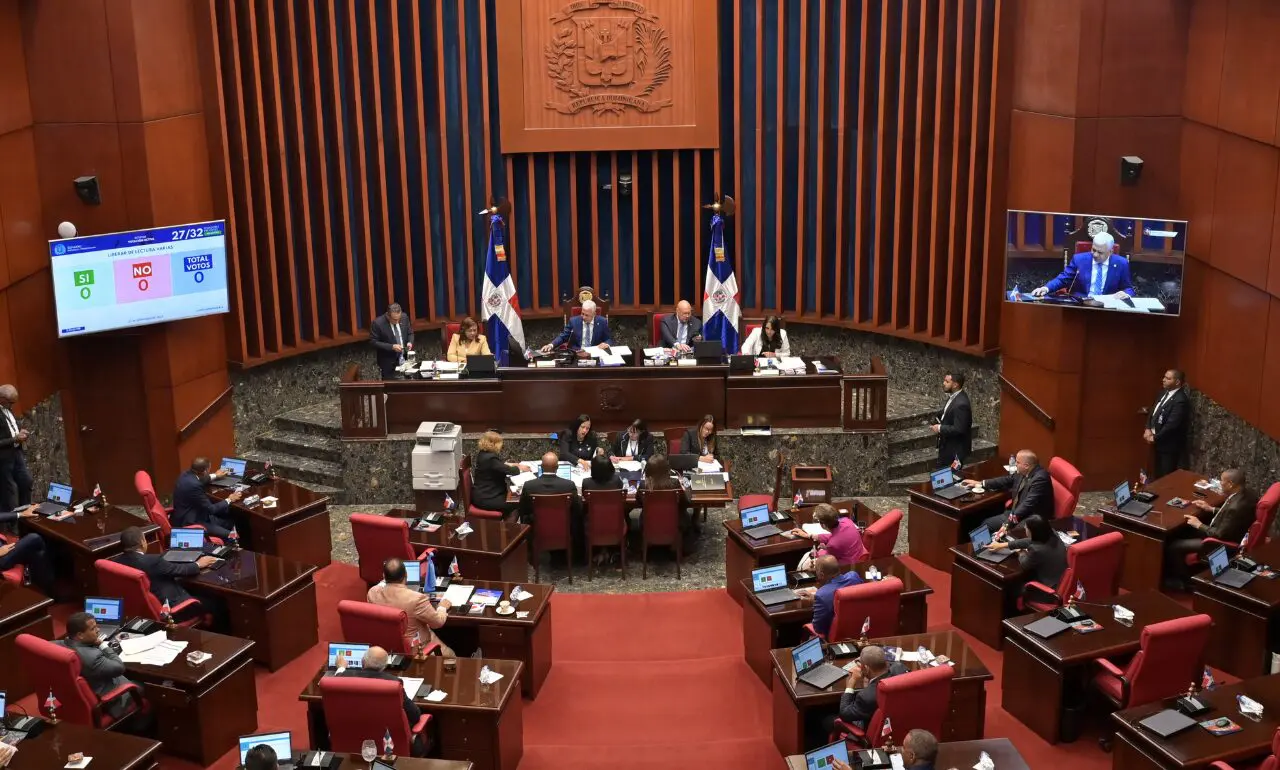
687, 362
768, 372
546, 364
448, 375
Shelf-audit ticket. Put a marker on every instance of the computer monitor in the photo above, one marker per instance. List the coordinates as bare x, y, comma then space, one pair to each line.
354, 653
825, 757
280, 743
413, 570
234, 465
187, 539
1122, 494
754, 516
807, 655
60, 493
3, 700
1219, 561
565, 470
980, 537
941, 479
104, 609
769, 578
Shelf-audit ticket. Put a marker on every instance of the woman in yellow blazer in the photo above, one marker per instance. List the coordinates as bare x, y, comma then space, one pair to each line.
467, 342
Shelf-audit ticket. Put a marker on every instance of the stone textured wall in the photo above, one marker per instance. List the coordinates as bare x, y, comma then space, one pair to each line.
1220, 439
47, 447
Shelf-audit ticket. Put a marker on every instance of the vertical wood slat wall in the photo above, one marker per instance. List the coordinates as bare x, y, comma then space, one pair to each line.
861, 138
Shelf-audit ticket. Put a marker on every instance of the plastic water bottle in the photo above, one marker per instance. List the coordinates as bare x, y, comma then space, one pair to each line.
1013, 460
484, 676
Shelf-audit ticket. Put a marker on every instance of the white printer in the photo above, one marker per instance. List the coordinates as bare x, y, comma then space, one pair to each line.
436, 456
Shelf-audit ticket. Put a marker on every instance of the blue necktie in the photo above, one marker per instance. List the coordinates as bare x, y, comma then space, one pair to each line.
1097, 279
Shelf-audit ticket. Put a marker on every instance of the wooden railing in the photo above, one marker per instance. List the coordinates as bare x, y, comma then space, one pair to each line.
866, 400
1040, 415
189, 430
364, 406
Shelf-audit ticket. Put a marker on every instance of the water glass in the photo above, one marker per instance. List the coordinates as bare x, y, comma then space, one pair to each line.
369, 751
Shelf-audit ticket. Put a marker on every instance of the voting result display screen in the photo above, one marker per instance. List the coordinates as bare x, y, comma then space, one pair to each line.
115, 281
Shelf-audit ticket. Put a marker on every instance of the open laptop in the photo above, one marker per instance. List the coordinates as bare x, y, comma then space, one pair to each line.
756, 522
413, 572
708, 352
1222, 571
742, 364
980, 537
1126, 504
185, 545
707, 482
281, 743
482, 366
108, 611
354, 653
812, 667
825, 757
946, 484
236, 466
769, 584
58, 500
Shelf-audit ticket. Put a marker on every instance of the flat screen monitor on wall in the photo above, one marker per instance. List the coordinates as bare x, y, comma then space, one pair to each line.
1090, 261
119, 280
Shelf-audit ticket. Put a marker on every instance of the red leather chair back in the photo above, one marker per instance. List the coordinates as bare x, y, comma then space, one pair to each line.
1171, 657
661, 516
655, 328
1096, 564
151, 502
368, 623
748, 327
916, 700
447, 333
606, 516
116, 579
551, 522
673, 436
359, 709
53, 668
377, 539
16, 574
1273, 762
1067, 483
882, 534
879, 600
1266, 515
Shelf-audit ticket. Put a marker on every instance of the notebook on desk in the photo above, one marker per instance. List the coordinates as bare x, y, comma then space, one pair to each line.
1167, 723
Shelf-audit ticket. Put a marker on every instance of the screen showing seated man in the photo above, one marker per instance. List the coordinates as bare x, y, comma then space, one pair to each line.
1092, 261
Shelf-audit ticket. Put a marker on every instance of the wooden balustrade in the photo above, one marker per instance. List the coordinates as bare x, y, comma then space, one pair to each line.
364, 410
866, 400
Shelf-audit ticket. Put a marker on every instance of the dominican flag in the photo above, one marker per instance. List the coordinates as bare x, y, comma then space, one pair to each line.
720, 311
866, 625
501, 309
1079, 594
454, 569
886, 730
51, 703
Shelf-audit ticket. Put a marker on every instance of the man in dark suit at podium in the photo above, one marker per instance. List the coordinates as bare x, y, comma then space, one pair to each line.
955, 423
1167, 424
583, 331
191, 505
392, 335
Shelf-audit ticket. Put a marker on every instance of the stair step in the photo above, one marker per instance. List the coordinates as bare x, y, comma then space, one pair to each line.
908, 439
900, 483
311, 445
323, 419
924, 460
305, 469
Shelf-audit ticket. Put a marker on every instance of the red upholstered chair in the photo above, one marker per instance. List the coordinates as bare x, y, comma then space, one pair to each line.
661, 524
916, 700
157, 513
52, 668
879, 600
1272, 762
379, 538
551, 530
882, 535
385, 627
448, 331
464, 478
1067, 483
132, 585
359, 709
14, 574
1095, 563
606, 525
655, 328
749, 325
771, 500
673, 437
1257, 534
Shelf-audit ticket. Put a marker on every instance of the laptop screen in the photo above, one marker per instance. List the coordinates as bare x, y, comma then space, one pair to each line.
769, 578
755, 515
235, 465
1219, 561
941, 479
187, 539
825, 757
1122, 494
564, 471
980, 537
3, 700
281, 743
102, 609
60, 493
807, 655
354, 653
413, 570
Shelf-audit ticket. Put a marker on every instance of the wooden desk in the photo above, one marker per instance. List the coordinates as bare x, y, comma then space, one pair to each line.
957, 754
934, 525
355, 762
269, 600
496, 550
1139, 749
794, 701
1144, 538
768, 628
76, 543
201, 711
22, 611
110, 750
703, 500
791, 401
481, 724
297, 528
527, 640
1246, 621
743, 554
1044, 677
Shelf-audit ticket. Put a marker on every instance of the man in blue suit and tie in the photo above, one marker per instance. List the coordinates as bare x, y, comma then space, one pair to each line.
583, 331
1097, 274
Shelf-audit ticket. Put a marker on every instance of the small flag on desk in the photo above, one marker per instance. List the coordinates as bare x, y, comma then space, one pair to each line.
166, 609
233, 535
1244, 542
1142, 476
51, 703
97, 490
798, 499
454, 569
448, 502
1015, 294
866, 625
1079, 594
887, 729
1206, 680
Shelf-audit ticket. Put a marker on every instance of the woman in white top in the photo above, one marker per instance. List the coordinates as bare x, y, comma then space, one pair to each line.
769, 341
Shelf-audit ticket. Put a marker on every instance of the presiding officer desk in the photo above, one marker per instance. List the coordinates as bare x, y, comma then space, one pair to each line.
1246, 621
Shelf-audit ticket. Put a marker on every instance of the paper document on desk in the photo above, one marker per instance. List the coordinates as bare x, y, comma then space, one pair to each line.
411, 685
161, 655
458, 594
622, 350
519, 479
791, 364
652, 352
611, 358
629, 465
138, 644
711, 467
435, 696
813, 528
447, 366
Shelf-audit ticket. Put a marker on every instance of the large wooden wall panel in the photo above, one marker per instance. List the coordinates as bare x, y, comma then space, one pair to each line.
1048, 71
1233, 362
1041, 157
1251, 69
1137, 36
155, 69
65, 151
68, 56
15, 104
1269, 408
1206, 49
1197, 184
1158, 141
20, 227
1244, 208
35, 338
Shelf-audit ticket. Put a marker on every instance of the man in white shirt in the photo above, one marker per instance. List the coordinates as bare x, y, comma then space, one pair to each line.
13, 458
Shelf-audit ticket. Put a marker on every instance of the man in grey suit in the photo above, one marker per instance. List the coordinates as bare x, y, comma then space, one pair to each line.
681, 330
100, 665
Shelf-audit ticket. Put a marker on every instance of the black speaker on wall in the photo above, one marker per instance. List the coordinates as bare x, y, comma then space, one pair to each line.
87, 189
1130, 169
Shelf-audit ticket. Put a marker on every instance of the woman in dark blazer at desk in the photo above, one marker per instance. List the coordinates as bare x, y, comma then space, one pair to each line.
489, 476
602, 475
1041, 554
634, 443
700, 440
657, 476
579, 444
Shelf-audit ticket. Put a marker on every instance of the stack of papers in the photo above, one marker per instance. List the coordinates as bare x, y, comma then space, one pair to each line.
519, 594
152, 650
435, 696
653, 352
489, 676
712, 467
609, 357
458, 594
629, 465
791, 365
411, 685
1140, 304
813, 528
520, 479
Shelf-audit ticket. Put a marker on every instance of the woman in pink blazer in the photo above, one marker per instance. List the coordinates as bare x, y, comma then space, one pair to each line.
842, 538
